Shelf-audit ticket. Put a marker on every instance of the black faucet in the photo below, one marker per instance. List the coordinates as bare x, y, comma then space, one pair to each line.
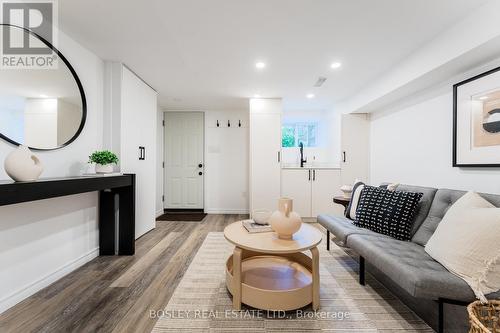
302, 159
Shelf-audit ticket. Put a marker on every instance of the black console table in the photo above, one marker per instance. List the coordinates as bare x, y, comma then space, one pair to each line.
111, 241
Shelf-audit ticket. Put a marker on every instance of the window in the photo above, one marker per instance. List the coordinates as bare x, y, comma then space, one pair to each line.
294, 133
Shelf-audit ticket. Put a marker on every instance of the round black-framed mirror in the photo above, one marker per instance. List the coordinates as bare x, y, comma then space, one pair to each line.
44, 109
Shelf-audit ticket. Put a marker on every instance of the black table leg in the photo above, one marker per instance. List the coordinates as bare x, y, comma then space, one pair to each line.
126, 241
106, 223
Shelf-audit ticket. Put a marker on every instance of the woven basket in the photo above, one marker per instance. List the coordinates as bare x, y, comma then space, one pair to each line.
484, 318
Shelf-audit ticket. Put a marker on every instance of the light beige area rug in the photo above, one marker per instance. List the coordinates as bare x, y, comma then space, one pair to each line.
201, 302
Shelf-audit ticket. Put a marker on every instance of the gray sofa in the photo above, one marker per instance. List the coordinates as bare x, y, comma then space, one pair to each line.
406, 264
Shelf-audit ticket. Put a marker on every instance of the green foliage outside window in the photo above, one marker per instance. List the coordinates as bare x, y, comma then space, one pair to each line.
294, 133
288, 136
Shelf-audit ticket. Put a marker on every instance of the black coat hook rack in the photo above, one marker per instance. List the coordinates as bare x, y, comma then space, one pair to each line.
228, 123
239, 123
218, 123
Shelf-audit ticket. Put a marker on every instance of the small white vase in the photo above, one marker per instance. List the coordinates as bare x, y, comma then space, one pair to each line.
285, 222
346, 191
22, 165
103, 168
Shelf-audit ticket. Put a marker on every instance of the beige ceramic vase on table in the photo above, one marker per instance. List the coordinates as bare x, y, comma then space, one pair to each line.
22, 165
285, 222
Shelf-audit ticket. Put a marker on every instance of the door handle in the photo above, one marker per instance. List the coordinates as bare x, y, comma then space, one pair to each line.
309, 174
142, 153
314, 175
343, 158
279, 157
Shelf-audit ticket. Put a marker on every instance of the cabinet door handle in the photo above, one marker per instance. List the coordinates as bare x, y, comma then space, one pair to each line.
142, 153
343, 158
279, 157
309, 174
314, 175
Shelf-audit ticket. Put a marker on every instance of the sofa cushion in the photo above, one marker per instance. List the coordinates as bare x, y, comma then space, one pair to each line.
387, 212
443, 200
409, 266
466, 243
423, 206
341, 227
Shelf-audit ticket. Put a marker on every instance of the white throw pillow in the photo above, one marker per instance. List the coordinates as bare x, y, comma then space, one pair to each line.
467, 243
392, 187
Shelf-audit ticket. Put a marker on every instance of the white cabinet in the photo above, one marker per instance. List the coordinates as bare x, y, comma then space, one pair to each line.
312, 190
130, 123
296, 184
325, 185
265, 153
355, 134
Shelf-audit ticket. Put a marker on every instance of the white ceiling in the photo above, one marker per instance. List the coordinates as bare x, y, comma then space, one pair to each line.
200, 54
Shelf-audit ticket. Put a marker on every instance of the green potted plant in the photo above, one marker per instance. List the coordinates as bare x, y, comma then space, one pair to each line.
103, 160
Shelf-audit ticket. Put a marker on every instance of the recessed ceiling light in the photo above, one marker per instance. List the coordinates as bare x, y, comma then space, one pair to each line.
256, 96
260, 65
43, 96
310, 96
336, 65
483, 98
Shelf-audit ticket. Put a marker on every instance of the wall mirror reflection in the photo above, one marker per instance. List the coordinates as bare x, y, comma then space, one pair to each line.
43, 109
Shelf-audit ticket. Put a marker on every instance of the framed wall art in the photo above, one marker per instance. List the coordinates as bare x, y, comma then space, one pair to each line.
476, 121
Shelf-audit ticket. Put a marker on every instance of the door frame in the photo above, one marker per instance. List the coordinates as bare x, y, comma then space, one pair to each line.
204, 153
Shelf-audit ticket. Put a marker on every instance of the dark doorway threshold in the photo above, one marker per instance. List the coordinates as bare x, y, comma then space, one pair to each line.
189, 215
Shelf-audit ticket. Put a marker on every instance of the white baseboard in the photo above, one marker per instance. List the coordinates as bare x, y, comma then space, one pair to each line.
159, 213
225, 211
45, 281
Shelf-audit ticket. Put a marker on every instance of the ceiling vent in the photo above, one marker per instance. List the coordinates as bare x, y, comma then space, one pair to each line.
320, 81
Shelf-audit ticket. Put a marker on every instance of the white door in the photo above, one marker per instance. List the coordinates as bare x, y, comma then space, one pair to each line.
325, 185
184, 163
265, 160
355, 133
296, 184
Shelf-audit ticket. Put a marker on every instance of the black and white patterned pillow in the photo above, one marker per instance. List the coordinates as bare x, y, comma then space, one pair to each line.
387, 212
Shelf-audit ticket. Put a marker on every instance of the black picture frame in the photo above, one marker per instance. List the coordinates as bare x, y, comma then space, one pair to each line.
78, 83
455, 125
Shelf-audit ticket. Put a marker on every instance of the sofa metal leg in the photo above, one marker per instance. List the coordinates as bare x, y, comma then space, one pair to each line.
361, 271
328, 240
440, 316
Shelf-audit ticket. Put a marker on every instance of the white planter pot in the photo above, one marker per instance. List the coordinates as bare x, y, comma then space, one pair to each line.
106, 168
22, 165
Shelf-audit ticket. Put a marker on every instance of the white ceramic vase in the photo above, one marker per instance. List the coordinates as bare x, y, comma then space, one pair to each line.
346, 191
103, 168
22, 165
285, 222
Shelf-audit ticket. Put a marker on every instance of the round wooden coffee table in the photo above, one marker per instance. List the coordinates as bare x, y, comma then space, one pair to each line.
269, 273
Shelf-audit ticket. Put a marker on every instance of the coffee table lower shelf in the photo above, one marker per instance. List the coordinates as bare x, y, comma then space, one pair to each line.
273, 282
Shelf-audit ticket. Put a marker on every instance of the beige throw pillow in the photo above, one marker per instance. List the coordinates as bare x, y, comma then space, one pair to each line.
467, 243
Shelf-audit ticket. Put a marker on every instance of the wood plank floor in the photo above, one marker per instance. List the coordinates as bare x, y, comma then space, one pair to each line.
115, 294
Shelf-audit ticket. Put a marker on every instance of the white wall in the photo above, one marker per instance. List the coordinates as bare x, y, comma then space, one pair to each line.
413, 145
226, 162
42, 241
159, 162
